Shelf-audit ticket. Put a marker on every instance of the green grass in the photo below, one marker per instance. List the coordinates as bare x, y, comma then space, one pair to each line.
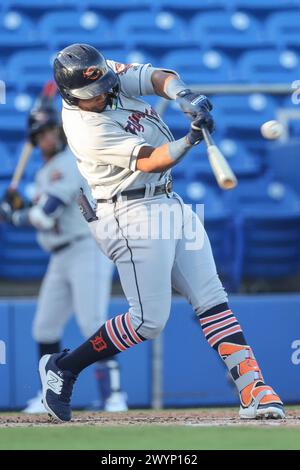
148, 438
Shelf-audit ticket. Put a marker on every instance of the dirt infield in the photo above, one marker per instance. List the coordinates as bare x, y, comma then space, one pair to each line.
195, 418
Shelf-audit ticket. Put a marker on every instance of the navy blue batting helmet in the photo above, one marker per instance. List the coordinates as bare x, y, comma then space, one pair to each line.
81, 72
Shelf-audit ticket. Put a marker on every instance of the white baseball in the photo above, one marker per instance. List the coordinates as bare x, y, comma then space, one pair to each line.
272, 130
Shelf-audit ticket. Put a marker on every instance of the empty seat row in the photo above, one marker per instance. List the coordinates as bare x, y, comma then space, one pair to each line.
194, 66
142, 28
254, 233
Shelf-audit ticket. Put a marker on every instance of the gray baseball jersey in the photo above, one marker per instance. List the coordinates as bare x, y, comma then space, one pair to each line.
106, 144
60, 177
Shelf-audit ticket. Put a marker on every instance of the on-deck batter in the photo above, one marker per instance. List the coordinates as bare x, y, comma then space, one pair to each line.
78, 277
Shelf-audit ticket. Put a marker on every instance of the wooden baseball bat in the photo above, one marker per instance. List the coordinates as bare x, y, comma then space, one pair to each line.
221, 169
21, 165
47, 95
224, 175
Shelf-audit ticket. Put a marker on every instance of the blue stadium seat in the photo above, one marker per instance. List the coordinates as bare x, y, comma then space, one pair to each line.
128, 57
245, 112
269, 66
34, 66
45, 5
12, 119
6, 166
3, 188
243, 163
264, 4
16, 30
283, 28
196, 66
226, 30
62, 28
21, 257
220, 227
148, 29
283, 158
176, 120
117, 6
270, 214
192, 5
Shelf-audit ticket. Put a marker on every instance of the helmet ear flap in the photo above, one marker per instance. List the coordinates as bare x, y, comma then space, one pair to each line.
68, 98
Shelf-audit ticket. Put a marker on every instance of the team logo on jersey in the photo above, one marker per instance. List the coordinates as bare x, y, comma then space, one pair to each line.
133, 124
122, 68
98, 343
56, 175
92, 72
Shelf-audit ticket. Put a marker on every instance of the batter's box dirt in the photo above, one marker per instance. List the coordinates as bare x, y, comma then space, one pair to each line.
199, 418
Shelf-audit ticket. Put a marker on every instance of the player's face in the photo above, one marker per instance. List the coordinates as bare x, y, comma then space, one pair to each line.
48, 141
95, 105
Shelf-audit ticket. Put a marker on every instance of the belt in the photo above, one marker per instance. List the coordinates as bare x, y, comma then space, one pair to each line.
67, 244
139, 193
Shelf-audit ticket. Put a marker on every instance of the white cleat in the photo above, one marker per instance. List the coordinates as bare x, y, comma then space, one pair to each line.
262, 412
265, 404
35, 405
116, 403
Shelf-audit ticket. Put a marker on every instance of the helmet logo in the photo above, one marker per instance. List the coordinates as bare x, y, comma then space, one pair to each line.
92, 72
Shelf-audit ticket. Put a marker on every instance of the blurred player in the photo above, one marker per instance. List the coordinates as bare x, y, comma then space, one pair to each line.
126, 152
78, 277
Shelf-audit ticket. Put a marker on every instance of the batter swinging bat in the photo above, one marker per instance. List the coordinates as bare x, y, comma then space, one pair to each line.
222, 171
47, 95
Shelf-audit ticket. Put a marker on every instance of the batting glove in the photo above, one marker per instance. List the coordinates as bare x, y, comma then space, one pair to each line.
193, 103
195, 136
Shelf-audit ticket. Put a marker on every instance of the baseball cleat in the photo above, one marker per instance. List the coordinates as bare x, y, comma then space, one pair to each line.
57, 387
258, 401
265, 404
35, 405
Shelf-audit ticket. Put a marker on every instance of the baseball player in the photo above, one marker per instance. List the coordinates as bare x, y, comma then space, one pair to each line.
79, 276
125, 151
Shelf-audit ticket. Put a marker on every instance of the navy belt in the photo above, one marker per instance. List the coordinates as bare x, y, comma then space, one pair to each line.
141, 192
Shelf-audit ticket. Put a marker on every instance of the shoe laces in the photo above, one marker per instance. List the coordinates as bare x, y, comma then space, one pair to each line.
67, 387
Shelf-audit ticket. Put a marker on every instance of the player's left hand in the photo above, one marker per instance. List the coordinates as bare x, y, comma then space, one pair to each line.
14, 199
195, 134
193, 103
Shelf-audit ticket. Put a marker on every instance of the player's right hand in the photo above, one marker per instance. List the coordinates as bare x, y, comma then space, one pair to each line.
204, 118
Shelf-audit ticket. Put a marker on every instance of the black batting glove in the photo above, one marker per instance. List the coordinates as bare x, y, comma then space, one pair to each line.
204, 118
14, 199
193, 103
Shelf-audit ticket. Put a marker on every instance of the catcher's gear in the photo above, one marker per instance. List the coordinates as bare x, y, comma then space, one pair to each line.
81, 72
41, 119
